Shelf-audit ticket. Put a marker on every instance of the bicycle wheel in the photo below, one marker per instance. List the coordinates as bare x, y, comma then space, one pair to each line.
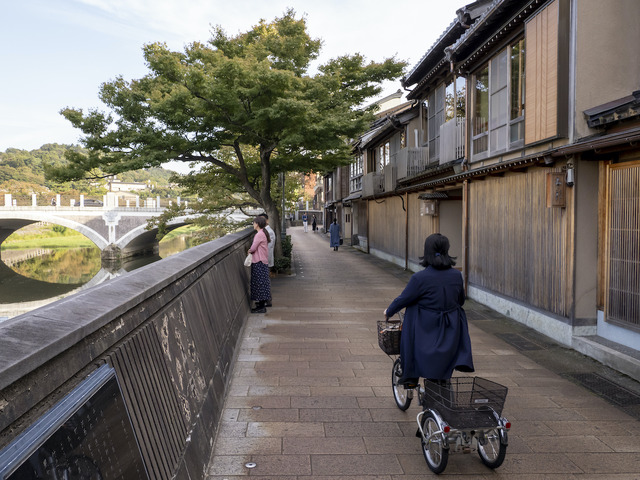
433, 448
491, 449
400, 394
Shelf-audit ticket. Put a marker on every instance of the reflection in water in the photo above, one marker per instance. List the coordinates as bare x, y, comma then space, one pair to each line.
65, 265
175, 245
49, 274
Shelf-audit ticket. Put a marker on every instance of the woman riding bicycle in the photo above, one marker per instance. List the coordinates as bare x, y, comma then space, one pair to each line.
435, 335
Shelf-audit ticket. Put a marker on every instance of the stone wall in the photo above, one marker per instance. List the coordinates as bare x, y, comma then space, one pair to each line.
169, 329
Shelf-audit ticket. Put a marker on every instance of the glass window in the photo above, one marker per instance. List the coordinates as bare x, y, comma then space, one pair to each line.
516, 127
355, 173
461, 97
436, 118
383, 156
449, 102
481, 111
498, 108
498, 102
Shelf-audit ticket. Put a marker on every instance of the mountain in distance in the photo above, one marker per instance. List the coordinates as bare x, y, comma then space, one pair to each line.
22, 171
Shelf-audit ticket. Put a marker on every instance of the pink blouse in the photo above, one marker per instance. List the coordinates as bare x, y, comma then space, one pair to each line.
259, 248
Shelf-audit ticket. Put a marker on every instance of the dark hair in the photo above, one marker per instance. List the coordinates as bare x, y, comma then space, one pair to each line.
264, 215
262, 222
436, 252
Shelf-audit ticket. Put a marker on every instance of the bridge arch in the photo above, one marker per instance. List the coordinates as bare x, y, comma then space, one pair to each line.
140, 235
13, 221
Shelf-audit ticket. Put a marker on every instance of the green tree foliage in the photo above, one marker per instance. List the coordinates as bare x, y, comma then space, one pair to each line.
22, 173
245, 105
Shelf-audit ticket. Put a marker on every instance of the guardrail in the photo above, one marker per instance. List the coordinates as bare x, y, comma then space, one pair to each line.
168, 331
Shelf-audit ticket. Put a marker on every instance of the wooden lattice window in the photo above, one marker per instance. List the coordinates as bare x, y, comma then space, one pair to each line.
623, 245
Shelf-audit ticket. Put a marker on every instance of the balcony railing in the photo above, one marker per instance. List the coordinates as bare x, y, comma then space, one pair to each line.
411, 161
452, 136
390, 177
372, 184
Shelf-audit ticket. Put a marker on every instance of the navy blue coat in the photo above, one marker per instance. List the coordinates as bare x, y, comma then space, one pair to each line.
435, 335
334, 231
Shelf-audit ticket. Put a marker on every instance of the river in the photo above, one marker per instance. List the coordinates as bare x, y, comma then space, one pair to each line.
32, 278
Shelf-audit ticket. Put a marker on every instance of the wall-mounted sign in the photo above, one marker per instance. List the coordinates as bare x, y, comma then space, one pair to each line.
556, 191
87, 435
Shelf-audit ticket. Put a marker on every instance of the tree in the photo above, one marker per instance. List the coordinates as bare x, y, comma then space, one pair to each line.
246, 106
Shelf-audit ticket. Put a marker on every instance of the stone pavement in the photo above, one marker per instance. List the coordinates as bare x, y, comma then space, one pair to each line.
311, 397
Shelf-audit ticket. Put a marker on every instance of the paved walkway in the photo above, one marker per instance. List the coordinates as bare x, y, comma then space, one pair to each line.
310, 395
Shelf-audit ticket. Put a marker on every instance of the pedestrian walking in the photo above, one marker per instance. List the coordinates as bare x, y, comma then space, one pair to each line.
304, 222
314, 224
334, 235
435, 335
260, 280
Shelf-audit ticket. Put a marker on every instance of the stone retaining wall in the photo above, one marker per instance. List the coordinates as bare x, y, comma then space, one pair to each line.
169, 329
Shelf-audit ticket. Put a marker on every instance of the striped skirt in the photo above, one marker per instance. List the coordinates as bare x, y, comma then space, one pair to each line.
260, 282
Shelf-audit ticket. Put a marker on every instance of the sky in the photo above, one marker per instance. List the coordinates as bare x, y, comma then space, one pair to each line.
56, 53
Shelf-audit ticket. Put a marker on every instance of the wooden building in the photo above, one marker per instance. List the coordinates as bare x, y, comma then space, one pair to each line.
519, 142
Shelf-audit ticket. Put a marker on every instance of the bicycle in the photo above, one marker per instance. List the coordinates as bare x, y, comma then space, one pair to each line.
462, 414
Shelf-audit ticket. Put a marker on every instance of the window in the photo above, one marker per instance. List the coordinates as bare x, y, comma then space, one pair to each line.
355, 174
446, 102
436, 118
481, 111
383, 156
516, 120
455, 98
498, 102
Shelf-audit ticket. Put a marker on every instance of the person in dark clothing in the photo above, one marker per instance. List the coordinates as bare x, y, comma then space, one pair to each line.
314, 224
334, 235
435, 335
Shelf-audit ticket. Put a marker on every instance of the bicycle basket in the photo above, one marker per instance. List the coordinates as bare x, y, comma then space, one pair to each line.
466, 401
389, 336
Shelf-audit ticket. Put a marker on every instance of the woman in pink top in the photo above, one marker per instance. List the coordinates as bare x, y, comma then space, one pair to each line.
260, 281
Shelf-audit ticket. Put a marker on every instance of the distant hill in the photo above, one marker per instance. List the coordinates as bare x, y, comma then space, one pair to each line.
27, 167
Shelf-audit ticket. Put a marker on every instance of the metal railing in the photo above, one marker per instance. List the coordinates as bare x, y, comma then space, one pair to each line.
411, 161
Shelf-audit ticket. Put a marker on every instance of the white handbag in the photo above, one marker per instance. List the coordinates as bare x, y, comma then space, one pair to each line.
247, 261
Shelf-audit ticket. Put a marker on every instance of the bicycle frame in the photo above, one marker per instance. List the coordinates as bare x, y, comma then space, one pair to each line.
461, 438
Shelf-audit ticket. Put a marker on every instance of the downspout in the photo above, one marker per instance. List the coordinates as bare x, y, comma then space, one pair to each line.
406, 232
573, 41
465, 235
572, 68
368, 237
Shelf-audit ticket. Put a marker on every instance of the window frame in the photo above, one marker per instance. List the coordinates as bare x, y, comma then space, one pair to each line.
356, 171
496, 88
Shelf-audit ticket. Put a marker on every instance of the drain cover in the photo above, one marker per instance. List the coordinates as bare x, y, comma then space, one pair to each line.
605, 388
518, 342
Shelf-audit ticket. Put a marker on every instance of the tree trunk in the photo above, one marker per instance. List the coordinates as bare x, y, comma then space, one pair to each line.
274, 222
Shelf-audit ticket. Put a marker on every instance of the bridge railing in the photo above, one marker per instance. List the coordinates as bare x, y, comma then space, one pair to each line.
169, 330
108, 202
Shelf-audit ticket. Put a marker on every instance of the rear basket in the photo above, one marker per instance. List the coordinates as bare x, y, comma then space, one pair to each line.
389, 337
465, 402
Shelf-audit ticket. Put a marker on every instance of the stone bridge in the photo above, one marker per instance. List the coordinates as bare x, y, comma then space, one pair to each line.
119, 232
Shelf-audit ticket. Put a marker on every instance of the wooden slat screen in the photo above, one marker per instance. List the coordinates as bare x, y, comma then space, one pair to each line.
623, 238
541, 88
420, 227
387, 226
517, 246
